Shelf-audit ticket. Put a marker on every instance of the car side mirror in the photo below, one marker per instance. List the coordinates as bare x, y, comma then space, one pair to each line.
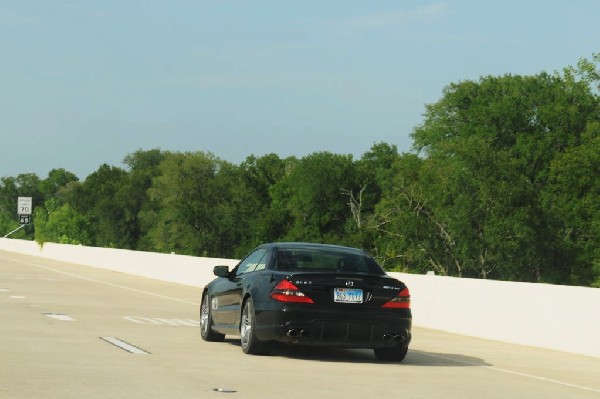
221, 271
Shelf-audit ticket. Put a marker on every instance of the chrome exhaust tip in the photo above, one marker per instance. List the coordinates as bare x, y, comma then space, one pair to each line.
399, 338
293, 332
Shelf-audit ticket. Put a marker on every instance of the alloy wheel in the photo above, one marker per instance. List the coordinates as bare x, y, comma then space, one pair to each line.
246, 324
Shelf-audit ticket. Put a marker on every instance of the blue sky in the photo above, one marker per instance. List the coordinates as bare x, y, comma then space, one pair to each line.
84, 83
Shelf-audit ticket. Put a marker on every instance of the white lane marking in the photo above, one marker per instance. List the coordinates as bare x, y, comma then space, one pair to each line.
501, 370
17, 297
104, 282
4, 290
59, 316
124, 345
179, 322
142, 320
158, 321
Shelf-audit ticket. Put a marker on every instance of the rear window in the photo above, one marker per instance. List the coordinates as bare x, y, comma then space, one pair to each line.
319, 260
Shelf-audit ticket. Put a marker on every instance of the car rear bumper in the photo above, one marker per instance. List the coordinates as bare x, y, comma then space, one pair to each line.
351, 328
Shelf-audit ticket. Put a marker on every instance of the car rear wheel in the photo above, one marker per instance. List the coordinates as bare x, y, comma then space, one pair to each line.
396, 354
206, 331
250, 344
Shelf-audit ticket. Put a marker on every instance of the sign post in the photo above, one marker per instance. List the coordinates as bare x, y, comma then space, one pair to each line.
24, 207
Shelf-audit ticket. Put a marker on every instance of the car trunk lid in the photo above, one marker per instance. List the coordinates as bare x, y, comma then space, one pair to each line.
346, 289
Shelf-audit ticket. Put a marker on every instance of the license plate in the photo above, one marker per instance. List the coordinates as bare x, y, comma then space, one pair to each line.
348, 295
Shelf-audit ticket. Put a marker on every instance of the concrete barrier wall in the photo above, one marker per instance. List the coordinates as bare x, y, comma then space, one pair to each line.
181, 269
550, 316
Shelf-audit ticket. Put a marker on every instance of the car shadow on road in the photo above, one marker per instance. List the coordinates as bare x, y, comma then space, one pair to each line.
432, 359
339, 355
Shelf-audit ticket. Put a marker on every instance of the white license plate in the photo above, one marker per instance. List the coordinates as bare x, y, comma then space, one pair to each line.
348, 295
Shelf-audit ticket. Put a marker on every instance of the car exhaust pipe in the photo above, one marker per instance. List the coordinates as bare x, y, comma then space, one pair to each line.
296, 332
399, 338
394, 337
293, 332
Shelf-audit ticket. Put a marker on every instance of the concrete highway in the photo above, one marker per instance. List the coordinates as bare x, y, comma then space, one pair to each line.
69, 331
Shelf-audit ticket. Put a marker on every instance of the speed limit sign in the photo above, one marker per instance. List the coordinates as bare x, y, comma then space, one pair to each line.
24, 206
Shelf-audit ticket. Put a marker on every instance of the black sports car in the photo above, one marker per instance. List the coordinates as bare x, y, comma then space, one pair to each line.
308, 294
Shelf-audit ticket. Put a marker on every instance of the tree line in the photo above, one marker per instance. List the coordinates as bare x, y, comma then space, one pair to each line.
503, 183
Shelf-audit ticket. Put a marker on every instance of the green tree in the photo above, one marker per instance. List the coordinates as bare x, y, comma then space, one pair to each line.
572, 204
9, 224
101, 200
60, 224
8, 204
374, 172
57, 179
491, 143
143, 168
403, 240
313, 197
188, 203
261, 222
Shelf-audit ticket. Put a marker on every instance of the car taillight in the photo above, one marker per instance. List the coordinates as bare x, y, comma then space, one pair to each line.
286, 291
401, 301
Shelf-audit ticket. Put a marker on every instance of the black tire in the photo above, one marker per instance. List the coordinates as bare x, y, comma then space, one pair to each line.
206, 323
250, 344
396, 354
